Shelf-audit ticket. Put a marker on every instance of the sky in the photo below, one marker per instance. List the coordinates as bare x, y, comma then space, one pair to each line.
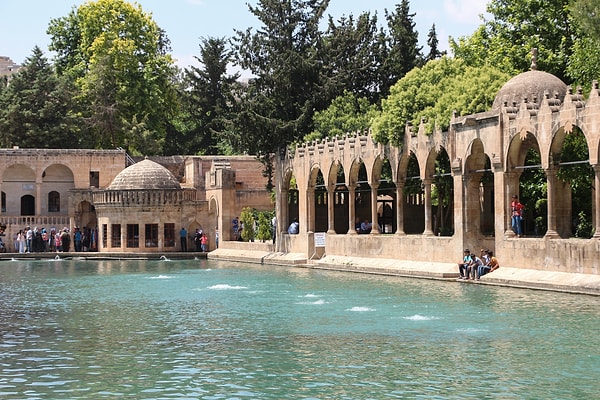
23, 23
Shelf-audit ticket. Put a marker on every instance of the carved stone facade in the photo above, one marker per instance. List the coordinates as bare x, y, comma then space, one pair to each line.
330, 183
140, 208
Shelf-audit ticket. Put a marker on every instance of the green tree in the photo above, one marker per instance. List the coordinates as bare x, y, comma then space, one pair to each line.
402, 52
35, 108
433, 93
353, 53
284, 57
514, 29
117, 56
433, 42
584, 65
208, 98
247, 221
347, 113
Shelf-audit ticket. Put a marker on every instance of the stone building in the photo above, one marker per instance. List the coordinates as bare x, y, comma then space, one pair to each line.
330, 184
136, 208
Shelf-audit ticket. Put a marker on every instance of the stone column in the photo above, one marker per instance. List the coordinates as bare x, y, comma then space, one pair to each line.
351, 208
597, 200
508, 193
283, 222
551, 180
400, 208
310, 209
330, 208
38, 199
428, 216
374, 219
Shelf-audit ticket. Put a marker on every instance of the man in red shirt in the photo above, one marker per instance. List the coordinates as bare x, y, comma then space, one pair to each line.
517, 215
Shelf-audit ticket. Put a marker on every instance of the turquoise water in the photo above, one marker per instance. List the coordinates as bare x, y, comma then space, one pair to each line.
214, 330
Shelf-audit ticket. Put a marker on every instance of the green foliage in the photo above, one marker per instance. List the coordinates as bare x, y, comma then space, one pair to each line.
517, 26
36, 109
584, 65
402, 50
117, 56
264, 226
247, 220
583, 228
346, 114
432, 93
353, 50
208, 98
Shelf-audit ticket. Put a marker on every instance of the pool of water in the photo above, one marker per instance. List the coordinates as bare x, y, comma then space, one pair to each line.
205, 329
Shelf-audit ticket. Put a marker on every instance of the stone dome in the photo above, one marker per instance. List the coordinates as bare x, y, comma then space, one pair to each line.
531, 85
146, 175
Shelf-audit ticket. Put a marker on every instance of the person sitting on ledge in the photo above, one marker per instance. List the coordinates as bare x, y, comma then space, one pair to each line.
473, 266
488, 267
366, 226
464, 264
294, 228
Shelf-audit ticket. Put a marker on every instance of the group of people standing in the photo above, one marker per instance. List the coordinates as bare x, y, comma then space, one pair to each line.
42, 240
473, 267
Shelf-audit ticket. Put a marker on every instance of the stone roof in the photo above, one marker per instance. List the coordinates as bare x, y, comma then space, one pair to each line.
532, 85
146, 175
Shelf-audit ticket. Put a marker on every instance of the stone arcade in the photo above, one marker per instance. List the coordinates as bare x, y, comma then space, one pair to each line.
330, 183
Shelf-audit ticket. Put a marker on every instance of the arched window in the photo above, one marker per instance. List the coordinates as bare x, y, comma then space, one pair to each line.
54, 201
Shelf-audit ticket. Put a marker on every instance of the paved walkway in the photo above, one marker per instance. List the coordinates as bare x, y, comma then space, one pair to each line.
504, 276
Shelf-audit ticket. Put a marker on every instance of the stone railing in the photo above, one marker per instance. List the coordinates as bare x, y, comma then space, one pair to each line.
143, 197
17, 222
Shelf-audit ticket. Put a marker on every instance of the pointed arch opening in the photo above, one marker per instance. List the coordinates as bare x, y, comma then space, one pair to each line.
414, 208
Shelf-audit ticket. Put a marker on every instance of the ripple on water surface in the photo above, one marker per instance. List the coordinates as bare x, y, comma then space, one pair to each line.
215, 330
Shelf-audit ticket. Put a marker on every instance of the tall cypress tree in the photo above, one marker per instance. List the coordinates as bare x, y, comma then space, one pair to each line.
35, 108
208, 98
284, 56
402, 51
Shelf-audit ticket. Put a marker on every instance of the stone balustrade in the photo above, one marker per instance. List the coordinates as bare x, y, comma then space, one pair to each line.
143, 197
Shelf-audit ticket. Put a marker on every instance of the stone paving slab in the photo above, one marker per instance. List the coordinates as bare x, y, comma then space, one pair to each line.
504, 276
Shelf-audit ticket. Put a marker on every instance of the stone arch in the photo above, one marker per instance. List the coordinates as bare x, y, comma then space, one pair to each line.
360, 183
57, 178
319, 214
439, 175
414, 200
526, 179
479, 190
573, 195
386, 194
340, 198
18, 180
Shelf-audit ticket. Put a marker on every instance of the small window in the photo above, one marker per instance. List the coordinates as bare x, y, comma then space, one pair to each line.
54, 201
169, 235
3, 202
104, 236
151, 235
115, 235
95, 179
133, 235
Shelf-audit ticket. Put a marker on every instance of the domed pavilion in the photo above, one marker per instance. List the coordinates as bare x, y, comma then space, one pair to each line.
143, 209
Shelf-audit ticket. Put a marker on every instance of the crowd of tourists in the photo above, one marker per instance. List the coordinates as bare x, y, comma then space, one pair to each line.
40, 240
474, 267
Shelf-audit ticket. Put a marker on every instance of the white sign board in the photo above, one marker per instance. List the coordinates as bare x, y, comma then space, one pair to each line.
319, 239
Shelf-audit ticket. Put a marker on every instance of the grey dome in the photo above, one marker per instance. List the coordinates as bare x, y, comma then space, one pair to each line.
530, 85
145, 174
